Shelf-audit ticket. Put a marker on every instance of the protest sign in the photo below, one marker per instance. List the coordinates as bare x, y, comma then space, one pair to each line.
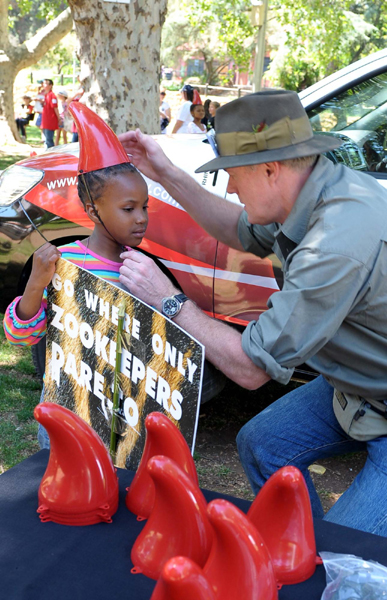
161, 365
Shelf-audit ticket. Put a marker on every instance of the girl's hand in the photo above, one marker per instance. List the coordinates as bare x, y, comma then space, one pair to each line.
43, 265
43, 269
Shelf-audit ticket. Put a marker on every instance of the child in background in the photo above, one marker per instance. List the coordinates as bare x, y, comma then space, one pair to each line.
63, 112
115, 198
213, 107
38, 103
197, 112
25, 116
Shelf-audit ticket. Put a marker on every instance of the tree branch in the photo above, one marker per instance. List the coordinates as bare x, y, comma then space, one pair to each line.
35, 48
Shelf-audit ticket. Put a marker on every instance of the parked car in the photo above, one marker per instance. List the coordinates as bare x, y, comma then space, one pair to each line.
39, 194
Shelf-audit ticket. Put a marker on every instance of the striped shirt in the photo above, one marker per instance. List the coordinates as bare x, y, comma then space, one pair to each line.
28, 333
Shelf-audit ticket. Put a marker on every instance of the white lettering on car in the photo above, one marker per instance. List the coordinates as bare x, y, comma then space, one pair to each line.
60, 183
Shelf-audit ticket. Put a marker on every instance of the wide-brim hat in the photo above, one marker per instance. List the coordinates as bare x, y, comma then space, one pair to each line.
267, 126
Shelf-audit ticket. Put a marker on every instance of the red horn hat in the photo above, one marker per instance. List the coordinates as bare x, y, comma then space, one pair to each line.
99, 147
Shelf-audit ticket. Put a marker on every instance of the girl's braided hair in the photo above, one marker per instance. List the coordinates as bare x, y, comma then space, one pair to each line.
96, 180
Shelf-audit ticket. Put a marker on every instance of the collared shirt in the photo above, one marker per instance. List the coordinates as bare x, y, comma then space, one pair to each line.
332, 310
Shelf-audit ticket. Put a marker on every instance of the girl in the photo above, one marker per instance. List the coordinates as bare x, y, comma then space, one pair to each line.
197, 112
213, 107
115, 198
63, 104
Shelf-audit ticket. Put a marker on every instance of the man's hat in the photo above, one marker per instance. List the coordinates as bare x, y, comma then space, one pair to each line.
265, 127
99, 147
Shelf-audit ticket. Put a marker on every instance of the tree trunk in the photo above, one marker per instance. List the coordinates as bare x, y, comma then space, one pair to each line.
119, 49
14, 58
8, 130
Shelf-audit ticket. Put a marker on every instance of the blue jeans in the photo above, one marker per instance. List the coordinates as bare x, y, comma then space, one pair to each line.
301, 428
49, 137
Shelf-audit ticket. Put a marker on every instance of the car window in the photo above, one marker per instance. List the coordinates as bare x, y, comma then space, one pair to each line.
358, 116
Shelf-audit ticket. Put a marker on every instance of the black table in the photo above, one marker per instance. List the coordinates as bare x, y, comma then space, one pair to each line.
46, 561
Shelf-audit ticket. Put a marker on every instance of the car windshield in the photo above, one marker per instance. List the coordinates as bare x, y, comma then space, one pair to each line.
360, 115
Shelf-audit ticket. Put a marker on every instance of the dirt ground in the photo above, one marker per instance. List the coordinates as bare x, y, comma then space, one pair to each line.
216, 455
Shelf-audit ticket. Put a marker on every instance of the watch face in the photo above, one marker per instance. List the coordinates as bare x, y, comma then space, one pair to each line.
170, 307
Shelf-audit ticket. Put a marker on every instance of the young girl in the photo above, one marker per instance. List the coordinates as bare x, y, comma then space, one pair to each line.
63, 113
198, 113
213, 107
115, 198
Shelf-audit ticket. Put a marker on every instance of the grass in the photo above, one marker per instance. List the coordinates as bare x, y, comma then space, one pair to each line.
9, 159
19, 394
11, 154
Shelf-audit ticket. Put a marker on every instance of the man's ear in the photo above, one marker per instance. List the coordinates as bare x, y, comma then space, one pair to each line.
91, 212
272, 171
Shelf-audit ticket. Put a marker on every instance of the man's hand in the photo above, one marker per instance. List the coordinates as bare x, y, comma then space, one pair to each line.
146, 154
142, 277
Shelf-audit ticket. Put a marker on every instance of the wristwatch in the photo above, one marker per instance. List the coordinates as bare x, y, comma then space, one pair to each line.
171, 306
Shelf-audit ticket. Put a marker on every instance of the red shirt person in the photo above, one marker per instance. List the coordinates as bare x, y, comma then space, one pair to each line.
50, 115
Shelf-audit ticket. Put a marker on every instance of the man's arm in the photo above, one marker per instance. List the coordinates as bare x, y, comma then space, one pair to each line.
223, 344
216, 215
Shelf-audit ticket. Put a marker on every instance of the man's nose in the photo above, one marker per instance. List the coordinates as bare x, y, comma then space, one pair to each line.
231, 187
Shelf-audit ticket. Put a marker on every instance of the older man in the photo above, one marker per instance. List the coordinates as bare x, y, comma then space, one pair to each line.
328, 226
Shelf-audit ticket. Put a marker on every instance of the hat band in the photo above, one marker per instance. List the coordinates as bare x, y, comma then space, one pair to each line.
282, 133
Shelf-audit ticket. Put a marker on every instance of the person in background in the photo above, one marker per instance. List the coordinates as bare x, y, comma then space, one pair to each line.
207, 115
38, 103
50, 115
165, 112
62, 97
184, 116
213, 107
25, 116
197, 112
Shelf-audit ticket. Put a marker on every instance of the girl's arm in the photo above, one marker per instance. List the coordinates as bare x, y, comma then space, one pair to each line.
25, 318
43, 269
24, 333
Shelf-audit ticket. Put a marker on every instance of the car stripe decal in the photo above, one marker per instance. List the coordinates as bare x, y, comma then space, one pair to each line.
257, 280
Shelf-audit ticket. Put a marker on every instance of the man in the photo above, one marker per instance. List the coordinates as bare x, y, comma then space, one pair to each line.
328, 226
50, 114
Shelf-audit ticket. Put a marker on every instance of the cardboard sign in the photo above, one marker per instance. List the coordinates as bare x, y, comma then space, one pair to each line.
161, 365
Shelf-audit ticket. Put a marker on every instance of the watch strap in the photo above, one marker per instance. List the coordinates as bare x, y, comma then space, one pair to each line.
181, 298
